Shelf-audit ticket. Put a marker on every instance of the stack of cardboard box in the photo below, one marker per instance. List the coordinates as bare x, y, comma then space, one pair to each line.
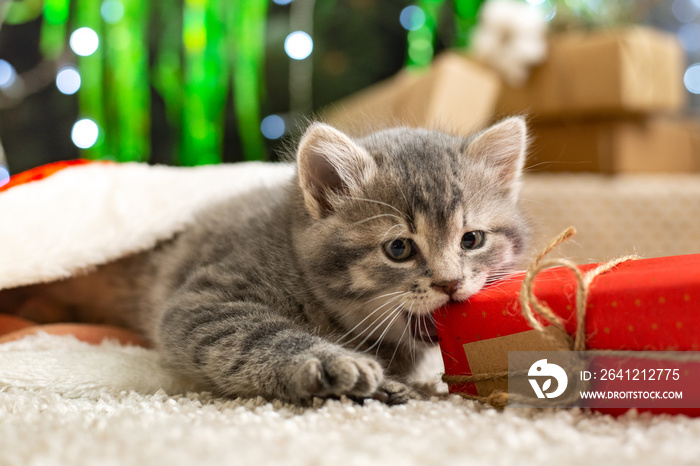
604, 101
609, 101
455, 94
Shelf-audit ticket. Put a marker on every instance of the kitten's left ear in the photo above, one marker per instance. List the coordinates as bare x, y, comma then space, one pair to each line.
330, 163
503, 146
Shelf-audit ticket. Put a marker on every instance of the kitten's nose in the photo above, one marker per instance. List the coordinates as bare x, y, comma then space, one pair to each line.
449, 287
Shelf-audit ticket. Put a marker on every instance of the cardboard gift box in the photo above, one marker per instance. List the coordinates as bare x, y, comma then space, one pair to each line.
635, 70
646, 304
649, 145
454, 94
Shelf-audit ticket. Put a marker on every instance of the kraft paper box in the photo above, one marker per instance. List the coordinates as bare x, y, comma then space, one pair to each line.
646, 304
651, 145
454, 94
636, 70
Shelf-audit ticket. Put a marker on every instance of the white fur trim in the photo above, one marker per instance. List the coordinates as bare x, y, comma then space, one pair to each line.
74, 368
88, 215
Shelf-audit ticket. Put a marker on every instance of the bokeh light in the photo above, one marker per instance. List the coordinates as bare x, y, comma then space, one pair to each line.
85, 133
691, 79
4, 176
420, 46
412, 18
547, 7
7, 74
298, 45
421, 51
68, 80
685, 11
112, 11
84, 41
282, 2
689, 37
273, 127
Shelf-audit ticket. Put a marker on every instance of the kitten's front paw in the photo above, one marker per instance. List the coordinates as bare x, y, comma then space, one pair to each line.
338, 373
393, 393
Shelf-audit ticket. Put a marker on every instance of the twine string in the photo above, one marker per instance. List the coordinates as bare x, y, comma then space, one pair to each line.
535, 310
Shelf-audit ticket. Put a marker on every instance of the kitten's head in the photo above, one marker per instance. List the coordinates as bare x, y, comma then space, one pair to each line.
404, 220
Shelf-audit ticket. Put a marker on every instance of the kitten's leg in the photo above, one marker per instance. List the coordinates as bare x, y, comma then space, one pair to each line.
246, 349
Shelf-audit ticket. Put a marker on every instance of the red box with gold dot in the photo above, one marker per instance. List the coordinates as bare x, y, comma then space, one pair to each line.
639, 305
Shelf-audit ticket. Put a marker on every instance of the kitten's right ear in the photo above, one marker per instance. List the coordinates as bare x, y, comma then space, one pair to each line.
330, 164
503, 146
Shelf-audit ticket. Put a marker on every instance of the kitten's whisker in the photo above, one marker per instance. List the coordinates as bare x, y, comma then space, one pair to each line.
413, 345
376, 327
374, 201
387, 232
500, 274
306, 286
383, 296
361, 332
408, 322
396, 312
375, 217
432, 319
371, 328
378, 343
403, 194
425, 325
420, 331
349, 332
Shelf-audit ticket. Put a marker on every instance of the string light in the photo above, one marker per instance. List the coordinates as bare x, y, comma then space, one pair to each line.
85, 133
84, 41
298, 45
420, 46
68, 80
4, 176
691, 78
685, 11
412, 18
547, 7
689, 37
112, 11
8, 75
550, 12
273, 127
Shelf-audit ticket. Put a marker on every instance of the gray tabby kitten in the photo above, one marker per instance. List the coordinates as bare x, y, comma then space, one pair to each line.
324, 287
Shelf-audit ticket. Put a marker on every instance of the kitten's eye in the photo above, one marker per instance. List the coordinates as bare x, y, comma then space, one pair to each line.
399, 249
473, 240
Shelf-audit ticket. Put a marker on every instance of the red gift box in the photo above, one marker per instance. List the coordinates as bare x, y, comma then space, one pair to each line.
646, 304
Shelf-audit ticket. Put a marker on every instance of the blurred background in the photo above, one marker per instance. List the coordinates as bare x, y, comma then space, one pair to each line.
203, 81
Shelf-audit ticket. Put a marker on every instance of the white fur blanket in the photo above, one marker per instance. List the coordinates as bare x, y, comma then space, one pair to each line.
64, 402
91, 214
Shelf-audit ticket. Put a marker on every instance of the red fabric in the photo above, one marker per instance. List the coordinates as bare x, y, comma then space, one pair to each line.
646, 304
44, 171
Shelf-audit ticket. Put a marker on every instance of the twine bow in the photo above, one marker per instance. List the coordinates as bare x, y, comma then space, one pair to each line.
532, 308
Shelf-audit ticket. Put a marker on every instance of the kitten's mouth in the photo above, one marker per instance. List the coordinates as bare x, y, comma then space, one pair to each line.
423, 328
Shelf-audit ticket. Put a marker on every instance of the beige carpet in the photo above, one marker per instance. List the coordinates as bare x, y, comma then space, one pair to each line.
75, 404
